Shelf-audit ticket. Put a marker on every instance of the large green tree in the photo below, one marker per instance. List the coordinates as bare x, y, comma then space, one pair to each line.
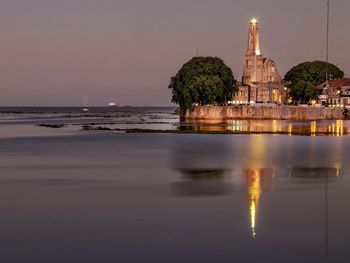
306, 76
203, 80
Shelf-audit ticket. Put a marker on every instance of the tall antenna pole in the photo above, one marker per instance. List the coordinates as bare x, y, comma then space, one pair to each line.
327, 41
326, 178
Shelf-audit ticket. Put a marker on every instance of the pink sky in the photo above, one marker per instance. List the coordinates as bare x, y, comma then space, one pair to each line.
55, 53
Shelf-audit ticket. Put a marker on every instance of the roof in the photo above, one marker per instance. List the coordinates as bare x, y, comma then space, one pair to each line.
335, 83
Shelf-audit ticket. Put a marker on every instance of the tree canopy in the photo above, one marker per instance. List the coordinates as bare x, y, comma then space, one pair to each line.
306, 76
203, 80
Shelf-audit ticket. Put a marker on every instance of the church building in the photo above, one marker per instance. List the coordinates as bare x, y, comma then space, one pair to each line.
261, 82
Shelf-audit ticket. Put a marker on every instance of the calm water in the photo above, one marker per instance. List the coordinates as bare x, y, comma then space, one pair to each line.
75, 196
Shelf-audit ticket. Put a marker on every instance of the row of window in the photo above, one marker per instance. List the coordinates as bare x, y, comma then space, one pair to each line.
242, 93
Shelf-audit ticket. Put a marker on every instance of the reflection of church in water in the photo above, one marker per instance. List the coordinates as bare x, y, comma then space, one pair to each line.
261, 81
263, 180
257, 180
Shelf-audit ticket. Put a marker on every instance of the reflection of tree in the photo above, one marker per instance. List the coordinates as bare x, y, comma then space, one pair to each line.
198, 174
256, 181
314, 173
203, 162
202, 182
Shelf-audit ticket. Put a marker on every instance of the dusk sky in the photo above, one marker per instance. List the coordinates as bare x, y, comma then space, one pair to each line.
75, 52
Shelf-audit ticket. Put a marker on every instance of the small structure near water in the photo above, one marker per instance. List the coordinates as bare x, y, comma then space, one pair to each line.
335, 92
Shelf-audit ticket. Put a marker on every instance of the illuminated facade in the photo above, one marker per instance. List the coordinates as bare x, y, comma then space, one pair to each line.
335, 93
261, 81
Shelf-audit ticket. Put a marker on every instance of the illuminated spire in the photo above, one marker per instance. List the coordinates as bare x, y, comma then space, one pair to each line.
254, 21
254, 38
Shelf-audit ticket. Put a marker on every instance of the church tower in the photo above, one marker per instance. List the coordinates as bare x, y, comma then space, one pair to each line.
261, 82
253, 61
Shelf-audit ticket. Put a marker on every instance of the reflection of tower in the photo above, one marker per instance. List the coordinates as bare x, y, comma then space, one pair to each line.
256, 180
254, 192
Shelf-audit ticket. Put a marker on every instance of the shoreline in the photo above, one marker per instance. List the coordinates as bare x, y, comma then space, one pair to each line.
228, 132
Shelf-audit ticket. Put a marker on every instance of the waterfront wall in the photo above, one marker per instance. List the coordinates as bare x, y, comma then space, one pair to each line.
261, 113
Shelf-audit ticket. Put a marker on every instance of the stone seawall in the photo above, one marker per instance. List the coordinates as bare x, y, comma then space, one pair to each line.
261, 113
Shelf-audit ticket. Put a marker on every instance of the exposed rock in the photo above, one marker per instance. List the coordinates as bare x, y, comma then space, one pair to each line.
54, 126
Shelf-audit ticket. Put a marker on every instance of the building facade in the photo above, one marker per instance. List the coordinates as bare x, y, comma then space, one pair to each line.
335, 93
261, 82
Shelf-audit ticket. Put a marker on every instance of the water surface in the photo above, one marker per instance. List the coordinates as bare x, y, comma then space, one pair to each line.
69, 195
110, 197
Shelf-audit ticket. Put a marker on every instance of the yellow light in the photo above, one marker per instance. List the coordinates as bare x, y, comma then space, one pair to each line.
252, 209
257, 52
275, 127
339, 127
254, 196
254, 21
313, 128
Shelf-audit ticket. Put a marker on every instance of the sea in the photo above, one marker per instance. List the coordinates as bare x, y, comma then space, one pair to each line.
137, 185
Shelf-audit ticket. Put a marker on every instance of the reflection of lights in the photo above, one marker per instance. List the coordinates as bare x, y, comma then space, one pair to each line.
339, 127
254, 191
275, 126
313, 128
236, 126
290, 129
338, 172
252, 210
